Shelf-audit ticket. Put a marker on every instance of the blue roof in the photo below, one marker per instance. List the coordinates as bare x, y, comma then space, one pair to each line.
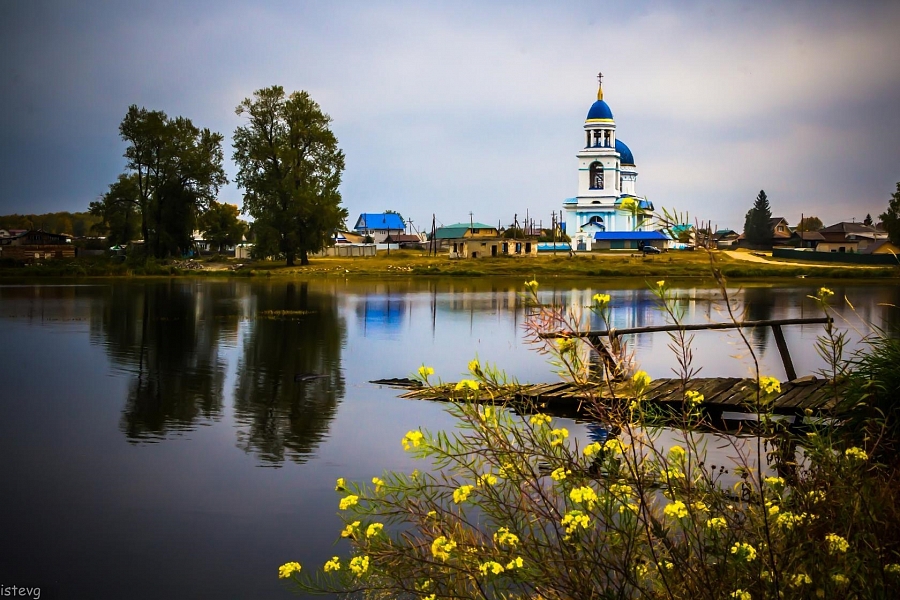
627, 158
380, 221
630, 235
599, 110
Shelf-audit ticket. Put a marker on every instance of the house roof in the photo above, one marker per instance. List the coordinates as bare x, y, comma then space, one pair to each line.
630, 235
811, 236
458, 230
380, 221
884, 245
844, 227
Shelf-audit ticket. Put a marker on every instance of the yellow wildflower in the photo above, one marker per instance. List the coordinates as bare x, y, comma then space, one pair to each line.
774, 481
741, 594
621, 489
424, 372
584, 495
800, 579
769, 385
773, 508
359, 565
668, 566
374, 529
676, 453
856, 453
694, 398
412, 439
566, 344
487, 479
558, 436
592, 449
839, 579
474, 367
716, 523
430, 597
892, 568
466, 384
431, 513
575, 519
640, 380
560, 473
462, 494
285, 570
700, 506
333, 565
744, 551
492, 567
601, 300
421, 587
824, 293
531, 286
540, 419
379, 483
789, 520
661, 283
815, 496
676, 510
836, 543
515, 563
614, 446
339, 485
350, 529
503, 536
629, 506
441, 547
348, 501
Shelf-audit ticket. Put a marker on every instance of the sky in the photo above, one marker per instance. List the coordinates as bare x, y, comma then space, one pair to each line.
447, 108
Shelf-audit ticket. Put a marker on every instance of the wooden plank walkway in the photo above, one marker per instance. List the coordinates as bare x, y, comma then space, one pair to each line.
720, 394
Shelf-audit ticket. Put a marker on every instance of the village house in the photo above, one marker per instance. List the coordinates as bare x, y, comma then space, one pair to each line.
477, 240
849, 237
33, 245
379, 226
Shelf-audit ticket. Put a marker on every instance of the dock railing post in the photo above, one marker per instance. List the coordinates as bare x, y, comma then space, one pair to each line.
785, 353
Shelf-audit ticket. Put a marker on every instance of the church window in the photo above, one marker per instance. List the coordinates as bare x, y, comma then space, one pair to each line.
596, 176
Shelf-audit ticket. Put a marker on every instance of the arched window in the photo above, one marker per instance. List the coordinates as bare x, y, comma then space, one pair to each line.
596, 176
597, 222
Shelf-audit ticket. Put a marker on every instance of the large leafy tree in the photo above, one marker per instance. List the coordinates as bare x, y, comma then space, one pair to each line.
175, 171
290, 168
891, 218
221, 226
756, 223
119, 210
810, 224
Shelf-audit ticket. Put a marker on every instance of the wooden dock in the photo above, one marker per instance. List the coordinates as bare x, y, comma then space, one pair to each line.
721, 394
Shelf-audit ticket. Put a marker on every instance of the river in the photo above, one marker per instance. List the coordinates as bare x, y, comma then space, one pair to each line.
181, 438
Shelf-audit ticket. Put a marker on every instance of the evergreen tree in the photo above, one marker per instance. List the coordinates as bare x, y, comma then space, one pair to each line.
891, 218
868, 220
756, 223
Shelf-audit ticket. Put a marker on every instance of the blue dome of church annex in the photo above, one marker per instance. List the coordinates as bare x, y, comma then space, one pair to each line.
625, 156
600, 110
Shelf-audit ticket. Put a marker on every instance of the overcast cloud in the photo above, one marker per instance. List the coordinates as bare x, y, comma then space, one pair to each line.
447, 108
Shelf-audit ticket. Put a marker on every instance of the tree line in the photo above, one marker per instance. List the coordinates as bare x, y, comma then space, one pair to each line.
289, 167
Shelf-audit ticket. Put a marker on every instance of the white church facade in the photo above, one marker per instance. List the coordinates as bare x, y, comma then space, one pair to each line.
607, 213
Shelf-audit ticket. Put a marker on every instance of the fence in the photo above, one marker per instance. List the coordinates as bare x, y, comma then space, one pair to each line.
837, 257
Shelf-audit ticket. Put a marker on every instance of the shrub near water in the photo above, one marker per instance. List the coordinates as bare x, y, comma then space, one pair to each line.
510, 506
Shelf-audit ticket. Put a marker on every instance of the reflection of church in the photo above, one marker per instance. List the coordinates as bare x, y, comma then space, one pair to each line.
607, 213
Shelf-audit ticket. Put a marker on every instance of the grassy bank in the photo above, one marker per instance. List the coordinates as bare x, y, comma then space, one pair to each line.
403, 263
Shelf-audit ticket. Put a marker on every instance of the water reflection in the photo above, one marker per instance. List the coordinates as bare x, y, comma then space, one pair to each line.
289, 378
166, 335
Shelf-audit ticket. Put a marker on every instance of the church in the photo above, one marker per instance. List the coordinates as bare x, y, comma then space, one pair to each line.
607, 213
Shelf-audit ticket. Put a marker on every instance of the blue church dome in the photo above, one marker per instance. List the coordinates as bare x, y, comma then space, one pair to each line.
600, 111
624, 153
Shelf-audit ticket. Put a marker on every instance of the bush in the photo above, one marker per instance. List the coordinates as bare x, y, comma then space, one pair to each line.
507, 506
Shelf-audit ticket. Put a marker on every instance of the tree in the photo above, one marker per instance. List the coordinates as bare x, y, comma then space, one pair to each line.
891, 218
290, 168
177, 170
118, 208
221, 226
756, 224
809, 224
868, 220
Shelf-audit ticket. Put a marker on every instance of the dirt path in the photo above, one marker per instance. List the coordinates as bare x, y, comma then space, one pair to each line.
745, 256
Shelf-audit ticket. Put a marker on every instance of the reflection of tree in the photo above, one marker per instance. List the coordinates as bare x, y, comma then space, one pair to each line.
289, 380
758, 306
167, 334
